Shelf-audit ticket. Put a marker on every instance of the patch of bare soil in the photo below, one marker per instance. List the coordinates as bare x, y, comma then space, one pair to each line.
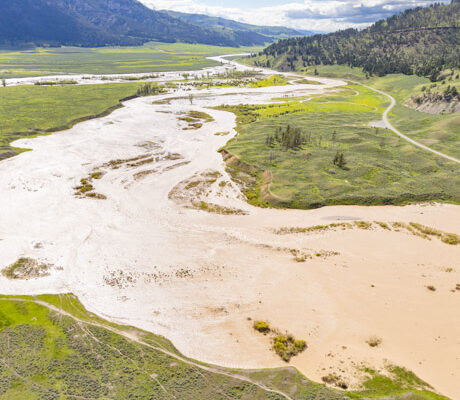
438, 107
122, 279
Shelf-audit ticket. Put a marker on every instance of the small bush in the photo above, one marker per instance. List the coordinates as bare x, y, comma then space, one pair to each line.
300, 344
431, 288
85, 188
383, 225
96, 175
261, 326
94, 195
333, 379
450, 238
374, 341
363, 224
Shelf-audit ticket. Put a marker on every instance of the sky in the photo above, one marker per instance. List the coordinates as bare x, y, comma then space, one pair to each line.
315, 15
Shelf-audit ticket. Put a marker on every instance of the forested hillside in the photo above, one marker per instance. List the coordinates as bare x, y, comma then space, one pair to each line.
421, 41
93, 23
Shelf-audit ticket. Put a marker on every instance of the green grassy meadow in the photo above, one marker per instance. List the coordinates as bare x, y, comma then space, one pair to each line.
441, 132
46, 354
29, 110
381, 168
151, 57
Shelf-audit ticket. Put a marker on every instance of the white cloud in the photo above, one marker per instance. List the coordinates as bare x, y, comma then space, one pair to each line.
318, 15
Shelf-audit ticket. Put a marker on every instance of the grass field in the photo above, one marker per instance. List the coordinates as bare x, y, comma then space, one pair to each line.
151, 57
46, 354
28, 110
380, 167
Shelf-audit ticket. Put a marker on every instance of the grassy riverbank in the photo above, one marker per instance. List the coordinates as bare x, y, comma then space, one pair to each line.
28, 110
151, 57
380, 167
52, 348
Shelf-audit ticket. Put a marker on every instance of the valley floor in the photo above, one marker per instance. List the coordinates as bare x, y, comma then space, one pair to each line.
135, 213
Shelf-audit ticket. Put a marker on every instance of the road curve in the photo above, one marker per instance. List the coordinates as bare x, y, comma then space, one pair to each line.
384, 117
390, 127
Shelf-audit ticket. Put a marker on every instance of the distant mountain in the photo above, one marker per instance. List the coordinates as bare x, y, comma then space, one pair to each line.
113, 22
260, 34
420, 41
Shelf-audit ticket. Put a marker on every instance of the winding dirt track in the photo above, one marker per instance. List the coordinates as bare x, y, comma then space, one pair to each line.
390, 127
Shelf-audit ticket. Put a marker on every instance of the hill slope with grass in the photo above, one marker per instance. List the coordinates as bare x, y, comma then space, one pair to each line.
422, 41
52, 348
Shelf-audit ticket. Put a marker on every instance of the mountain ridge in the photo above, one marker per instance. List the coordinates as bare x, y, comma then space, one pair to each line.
92, 23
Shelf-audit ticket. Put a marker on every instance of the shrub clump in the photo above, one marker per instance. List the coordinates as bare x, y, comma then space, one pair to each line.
96, 175
383, 225
426, 229
333, 379
26, 268
261, 326
86, 188
450, 238
374, 341
363, 224
286, 346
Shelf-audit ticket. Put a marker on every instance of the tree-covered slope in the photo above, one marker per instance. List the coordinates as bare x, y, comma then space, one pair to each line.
101, 22
420, 41
36, 21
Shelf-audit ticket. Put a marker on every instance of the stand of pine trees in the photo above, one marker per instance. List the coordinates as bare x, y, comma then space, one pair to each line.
287, 138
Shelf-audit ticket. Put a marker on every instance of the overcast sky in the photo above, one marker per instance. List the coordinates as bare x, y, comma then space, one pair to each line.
318, 15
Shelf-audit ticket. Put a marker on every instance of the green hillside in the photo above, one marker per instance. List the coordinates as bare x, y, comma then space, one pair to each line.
422, 41
53, 349
100, 23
